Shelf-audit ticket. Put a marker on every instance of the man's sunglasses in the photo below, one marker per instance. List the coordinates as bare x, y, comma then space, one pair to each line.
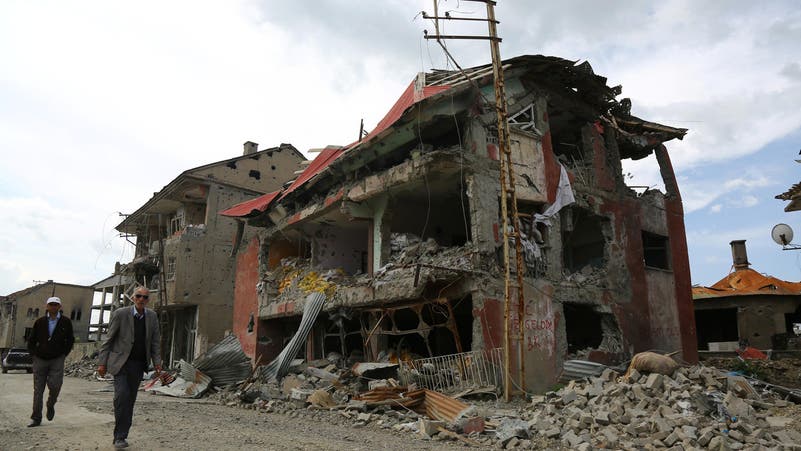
142, 296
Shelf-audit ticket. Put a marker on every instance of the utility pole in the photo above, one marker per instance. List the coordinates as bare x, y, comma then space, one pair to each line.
507, 183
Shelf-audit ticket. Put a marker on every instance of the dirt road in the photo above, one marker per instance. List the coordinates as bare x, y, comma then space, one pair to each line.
84, 421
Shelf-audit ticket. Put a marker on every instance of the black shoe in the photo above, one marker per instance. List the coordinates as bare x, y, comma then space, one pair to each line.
51, 412
120, 443
34, 423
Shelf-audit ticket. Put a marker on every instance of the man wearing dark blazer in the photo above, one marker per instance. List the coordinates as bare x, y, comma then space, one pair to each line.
132, 342
50, 341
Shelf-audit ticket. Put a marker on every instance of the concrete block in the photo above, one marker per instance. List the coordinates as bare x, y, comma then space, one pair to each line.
671, 439
611, 438
601, 418
736, 435
691, 432
638, 391
609, 375
428, 428
738, 408
654, 381
571, 438
552, 432
634, 376
718, 443
661, 435
778, 422
569, 396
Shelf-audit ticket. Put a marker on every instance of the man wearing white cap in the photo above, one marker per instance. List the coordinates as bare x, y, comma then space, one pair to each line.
50, 341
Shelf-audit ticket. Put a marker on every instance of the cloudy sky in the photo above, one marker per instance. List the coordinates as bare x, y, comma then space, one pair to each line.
103, 103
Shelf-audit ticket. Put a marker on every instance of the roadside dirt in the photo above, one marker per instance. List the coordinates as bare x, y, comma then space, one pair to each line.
784, 372
84, 421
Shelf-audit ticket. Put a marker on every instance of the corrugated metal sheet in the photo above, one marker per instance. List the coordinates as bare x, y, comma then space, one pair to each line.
191, 383
225, 363
580, 369
251, 207
747, 282
278, 367
444, 408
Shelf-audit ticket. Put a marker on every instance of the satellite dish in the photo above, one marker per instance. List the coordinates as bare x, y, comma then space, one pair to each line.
782, 234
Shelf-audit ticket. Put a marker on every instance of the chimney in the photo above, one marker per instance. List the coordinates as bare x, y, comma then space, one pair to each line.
250, 147
739, 256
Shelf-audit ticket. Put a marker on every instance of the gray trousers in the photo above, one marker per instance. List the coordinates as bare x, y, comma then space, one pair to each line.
46, 372
126, 387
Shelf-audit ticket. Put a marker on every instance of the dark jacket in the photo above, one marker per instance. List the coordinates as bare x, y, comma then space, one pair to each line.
43, 346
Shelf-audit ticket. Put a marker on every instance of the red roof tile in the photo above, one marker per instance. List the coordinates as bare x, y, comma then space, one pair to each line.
747, 282
251, 207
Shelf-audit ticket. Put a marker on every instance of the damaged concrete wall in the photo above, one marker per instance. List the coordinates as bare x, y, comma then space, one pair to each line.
340, 248
759, 318
246, 302
263, 171
76, 304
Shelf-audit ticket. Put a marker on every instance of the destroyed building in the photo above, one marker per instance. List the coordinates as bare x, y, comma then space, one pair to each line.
184, 251
747, 305
402, 230
20, 309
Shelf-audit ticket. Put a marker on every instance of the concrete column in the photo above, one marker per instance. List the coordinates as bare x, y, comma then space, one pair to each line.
381, 232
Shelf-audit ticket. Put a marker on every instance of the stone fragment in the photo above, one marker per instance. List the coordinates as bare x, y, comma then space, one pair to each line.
671, 439
736, 435
601, 418
654, 381
718, 443
569, 396
609, 375
738, 408
552, 432
778, 422
428, 428
571, 438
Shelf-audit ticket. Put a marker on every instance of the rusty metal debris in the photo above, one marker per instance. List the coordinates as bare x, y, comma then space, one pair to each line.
456, 372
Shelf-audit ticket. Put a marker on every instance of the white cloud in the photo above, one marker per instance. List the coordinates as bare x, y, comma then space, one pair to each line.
715, 208
104, 103
749, 201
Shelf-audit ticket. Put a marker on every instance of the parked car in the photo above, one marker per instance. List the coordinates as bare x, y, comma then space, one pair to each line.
18, 359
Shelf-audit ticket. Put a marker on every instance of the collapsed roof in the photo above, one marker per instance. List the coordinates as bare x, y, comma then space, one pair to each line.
434, 99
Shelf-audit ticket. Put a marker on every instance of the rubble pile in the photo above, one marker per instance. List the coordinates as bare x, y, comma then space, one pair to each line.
84, 368
696, 407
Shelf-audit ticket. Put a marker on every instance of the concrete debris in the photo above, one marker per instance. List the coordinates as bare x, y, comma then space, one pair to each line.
696, 407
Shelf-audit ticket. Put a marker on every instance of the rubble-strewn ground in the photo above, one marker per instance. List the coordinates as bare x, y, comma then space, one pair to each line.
784, 372
697, 407
84, 422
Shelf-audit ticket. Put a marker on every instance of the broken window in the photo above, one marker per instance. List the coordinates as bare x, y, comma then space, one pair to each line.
72, 314
176, 222
170, 268
436, 207
582, 326
588, 329
583, 239
656, 251
423, 329
28, 332
716, 325
78, 315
